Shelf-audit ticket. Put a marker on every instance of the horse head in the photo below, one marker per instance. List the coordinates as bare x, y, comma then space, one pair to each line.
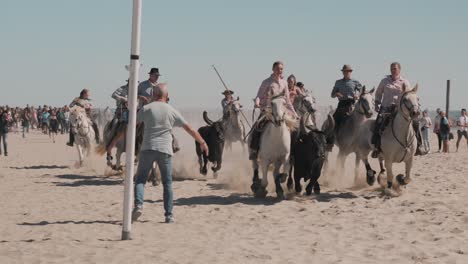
304, 103
365, 101
409, 102
278, 109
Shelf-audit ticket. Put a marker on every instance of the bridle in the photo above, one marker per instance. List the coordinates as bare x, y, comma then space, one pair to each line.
364, 104
403, 103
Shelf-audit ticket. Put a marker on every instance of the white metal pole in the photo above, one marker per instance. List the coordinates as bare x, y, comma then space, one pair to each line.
131, 128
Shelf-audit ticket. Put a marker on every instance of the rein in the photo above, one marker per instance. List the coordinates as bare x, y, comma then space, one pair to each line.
408, 144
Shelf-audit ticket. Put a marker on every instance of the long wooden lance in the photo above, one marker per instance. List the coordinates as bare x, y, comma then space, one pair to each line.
226, 88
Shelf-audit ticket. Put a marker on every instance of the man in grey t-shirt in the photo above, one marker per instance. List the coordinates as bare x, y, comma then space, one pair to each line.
159, 118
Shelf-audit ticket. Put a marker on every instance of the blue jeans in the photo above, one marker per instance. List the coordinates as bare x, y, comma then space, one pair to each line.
4, 137
145, 164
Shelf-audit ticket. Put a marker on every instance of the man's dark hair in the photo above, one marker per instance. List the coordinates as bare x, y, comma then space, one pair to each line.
395, 64
276, 63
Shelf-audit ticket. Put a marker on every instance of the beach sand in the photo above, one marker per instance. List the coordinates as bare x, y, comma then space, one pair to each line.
52, 212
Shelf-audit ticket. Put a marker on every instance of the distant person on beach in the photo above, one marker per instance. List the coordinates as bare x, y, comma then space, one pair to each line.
159, 119
425, 124
462, 127
437, 129
26, 120
53, 125
444, 131
5, 119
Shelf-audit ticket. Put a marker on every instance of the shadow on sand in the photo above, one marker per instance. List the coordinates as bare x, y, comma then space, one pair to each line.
45, 223
82, 180
39, 167
222, 200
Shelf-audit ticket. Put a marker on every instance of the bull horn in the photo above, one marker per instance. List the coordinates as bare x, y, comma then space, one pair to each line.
329, 126
207, 120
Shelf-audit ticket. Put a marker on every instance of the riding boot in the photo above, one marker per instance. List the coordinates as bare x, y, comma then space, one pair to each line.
71, 139
376, 137
96, 132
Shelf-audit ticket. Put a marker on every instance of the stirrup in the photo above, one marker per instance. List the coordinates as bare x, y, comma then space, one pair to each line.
109, 157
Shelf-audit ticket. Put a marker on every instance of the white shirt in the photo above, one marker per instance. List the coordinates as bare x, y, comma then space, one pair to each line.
463, 121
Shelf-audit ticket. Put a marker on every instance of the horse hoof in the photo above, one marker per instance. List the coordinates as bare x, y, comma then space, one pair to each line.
371, 177
309, 190
401, 179
282, 177
280, 195
290, 187
203, 172
261, 193
317, 189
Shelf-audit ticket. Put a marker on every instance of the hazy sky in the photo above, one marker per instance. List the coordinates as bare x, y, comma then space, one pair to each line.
51, 49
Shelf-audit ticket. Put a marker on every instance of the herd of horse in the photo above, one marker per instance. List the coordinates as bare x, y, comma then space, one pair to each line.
289, 146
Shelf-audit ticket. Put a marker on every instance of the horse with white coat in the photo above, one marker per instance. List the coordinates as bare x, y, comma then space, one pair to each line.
81, 126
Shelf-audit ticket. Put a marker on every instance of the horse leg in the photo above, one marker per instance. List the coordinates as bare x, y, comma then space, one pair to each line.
356, 168
277, 176
80, 154
381, 173
255, 179
290, 176
341, 161
370, 173
262, 192
390, 187
406, 179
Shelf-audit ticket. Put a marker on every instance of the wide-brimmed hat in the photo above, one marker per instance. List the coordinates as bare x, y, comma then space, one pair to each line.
228, 92
346, 67
154, 71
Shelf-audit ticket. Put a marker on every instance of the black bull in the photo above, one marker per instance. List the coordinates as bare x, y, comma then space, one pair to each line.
213, 134
308, 154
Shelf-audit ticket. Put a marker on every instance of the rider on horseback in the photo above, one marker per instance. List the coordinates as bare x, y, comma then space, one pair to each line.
227, 100
84, 102
347, 90
274, 85
119, 122
389, 91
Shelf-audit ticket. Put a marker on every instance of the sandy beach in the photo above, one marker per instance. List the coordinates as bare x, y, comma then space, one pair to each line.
53, 212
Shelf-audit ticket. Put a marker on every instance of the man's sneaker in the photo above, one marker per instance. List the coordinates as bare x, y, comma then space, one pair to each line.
136, 213
6, 154
69, 144
175, 149
169, 219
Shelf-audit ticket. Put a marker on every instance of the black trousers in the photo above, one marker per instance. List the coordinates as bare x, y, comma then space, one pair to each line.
342, 111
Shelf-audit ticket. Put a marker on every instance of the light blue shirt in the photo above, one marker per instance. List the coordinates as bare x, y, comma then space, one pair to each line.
159, 119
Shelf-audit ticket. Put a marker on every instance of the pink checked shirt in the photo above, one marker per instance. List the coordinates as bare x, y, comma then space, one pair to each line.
389, 88
271, 87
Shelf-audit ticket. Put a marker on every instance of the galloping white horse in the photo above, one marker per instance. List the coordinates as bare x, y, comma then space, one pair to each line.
81, 126
275, 145
398, 141
235, 129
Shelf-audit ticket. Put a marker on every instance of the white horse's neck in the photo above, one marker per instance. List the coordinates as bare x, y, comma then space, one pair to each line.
402, 126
